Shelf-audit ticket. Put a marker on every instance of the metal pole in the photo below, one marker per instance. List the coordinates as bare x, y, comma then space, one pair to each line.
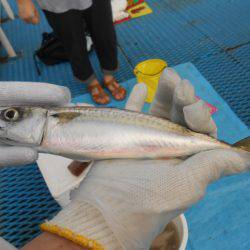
8, 9
6, 44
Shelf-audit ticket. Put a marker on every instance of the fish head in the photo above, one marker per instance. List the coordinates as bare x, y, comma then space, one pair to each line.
23, 126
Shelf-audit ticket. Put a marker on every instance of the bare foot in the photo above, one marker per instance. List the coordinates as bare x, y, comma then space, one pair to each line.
98, 94
117, 91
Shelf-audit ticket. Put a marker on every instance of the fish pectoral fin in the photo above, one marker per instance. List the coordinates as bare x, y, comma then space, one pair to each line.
243, 144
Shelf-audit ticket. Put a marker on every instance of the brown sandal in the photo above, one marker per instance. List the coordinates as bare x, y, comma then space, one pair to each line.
115, 89
99, 96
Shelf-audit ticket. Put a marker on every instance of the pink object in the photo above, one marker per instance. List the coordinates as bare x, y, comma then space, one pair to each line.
212, 108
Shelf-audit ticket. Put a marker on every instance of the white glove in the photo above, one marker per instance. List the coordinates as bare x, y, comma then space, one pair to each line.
4, 245
175, 100
28, 94
125, 204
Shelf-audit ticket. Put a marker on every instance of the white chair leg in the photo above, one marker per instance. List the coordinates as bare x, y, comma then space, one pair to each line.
8, 9
6, 44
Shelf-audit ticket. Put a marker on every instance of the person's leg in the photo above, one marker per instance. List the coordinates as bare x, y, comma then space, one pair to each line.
100, 24
70, 27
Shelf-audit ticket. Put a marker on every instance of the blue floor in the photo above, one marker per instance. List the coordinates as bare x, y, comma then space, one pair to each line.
214, 35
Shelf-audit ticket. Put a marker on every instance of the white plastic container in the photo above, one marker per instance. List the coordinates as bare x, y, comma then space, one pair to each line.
182, 228
174, 236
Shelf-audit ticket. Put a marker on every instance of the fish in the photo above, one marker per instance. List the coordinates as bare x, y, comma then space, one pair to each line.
90, 133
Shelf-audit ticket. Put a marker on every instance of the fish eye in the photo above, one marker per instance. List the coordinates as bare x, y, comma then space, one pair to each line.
11, 115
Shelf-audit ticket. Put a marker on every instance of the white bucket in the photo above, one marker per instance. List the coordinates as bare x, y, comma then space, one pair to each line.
182, 228
177, 228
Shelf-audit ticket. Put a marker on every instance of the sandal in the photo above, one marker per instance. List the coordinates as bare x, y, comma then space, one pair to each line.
99, 96
117, 91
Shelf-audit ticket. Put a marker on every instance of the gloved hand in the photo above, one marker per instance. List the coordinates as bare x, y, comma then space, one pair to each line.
125, 204
28, 94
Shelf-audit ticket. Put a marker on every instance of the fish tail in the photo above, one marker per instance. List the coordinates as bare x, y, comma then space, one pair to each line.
243, 144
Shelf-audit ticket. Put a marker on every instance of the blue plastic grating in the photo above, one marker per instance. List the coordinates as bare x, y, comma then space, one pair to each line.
230, 78
241, 55
25, 202
226, 21
164, 34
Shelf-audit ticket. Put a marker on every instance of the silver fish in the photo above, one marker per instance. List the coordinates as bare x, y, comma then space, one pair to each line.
82, 133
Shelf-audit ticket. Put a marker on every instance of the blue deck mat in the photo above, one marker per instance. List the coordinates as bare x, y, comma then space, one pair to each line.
224, 213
